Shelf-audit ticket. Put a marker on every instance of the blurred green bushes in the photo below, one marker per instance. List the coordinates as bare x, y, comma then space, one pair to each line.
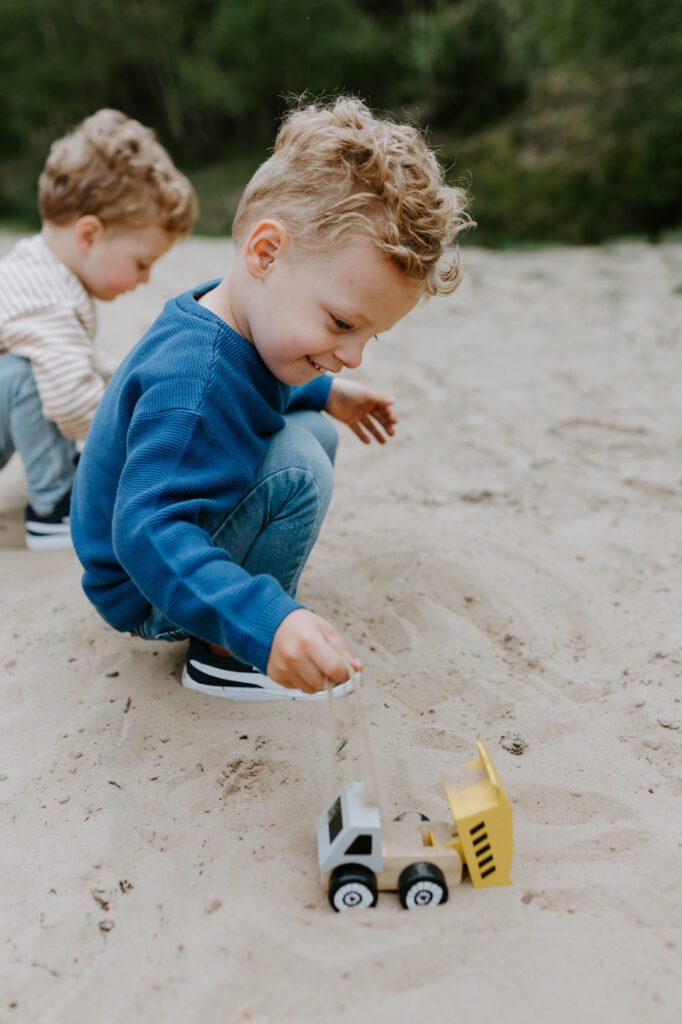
563, 118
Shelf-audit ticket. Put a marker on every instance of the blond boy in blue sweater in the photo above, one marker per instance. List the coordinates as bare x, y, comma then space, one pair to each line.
208, 469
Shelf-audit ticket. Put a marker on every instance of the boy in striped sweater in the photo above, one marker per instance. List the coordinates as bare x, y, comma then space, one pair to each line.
111, 203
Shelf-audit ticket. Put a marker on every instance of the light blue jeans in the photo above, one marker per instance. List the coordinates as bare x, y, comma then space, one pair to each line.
275, 525
47, 455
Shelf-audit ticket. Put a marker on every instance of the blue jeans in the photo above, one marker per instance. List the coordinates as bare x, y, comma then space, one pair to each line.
47, 455
274, 526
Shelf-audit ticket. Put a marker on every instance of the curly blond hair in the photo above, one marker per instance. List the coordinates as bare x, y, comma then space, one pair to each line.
112, 166
338, 171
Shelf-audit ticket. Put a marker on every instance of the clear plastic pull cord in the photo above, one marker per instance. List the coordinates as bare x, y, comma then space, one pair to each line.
373, 794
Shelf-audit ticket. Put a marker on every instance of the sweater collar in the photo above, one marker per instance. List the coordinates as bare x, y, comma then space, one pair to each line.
239, 350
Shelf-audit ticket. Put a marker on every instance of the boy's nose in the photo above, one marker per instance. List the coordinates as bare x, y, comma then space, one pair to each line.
350, 352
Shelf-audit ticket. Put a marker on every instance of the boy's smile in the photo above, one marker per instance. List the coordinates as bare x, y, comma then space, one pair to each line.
311, 314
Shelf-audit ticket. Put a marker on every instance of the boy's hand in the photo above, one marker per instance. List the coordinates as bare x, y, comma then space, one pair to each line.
364, 409
305, 650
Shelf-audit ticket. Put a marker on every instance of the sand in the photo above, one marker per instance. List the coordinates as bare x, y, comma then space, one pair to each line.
511, 563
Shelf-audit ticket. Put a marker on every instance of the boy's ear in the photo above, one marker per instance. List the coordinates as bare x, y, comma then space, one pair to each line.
86, 231
269, 240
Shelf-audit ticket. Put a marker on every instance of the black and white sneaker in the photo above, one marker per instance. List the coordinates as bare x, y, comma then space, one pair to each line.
44, 533
227, 677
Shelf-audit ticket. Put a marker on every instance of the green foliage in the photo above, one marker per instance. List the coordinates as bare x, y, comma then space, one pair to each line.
461, 69
538, 175
566, 116
219, 186
244, 59
633, 54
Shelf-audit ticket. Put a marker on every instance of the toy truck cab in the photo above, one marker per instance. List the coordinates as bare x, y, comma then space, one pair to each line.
349, 835
358, 855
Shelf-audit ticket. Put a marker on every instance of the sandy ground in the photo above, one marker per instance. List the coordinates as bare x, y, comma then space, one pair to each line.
510, 563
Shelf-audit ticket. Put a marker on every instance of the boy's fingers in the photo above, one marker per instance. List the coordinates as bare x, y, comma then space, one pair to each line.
300, 675
308, 678
369, 425
332, 657
349, 659
306, 650
308, 674
335, 670
387, 416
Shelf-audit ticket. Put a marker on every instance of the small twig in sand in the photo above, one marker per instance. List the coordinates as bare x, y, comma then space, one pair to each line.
99, 897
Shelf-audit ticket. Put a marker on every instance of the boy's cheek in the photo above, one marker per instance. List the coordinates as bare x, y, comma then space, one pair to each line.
117, 285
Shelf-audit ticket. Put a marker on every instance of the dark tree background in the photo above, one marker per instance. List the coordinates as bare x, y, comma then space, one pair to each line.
563, 118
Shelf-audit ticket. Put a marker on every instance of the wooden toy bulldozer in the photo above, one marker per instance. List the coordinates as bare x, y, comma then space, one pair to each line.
358, 855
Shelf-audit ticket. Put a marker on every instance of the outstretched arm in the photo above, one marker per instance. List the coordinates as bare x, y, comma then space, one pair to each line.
366, 410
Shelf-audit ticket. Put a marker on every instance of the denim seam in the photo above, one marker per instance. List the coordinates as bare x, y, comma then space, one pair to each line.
270, 476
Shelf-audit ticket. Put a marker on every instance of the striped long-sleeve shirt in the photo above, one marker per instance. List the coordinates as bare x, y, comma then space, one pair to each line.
47, 316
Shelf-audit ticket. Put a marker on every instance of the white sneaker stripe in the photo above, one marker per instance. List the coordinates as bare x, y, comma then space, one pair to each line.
34, 527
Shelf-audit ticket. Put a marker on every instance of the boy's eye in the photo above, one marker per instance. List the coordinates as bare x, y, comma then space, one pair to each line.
142, 266
343, 325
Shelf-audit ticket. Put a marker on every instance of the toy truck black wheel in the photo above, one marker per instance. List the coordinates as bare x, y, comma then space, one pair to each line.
351, 886
422, 885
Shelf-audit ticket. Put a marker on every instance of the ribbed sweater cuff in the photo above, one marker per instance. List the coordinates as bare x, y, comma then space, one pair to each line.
313, 395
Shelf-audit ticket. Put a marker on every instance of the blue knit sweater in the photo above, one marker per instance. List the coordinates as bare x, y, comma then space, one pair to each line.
182, 426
